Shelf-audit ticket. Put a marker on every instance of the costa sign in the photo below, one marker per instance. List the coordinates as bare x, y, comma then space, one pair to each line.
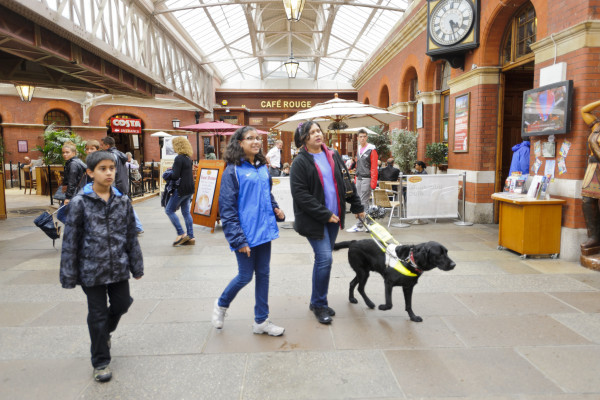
126, 125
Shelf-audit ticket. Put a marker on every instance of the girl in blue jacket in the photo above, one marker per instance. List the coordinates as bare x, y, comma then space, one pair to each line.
249, 215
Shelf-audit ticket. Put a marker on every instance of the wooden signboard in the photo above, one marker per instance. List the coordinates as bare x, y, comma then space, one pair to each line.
205, 202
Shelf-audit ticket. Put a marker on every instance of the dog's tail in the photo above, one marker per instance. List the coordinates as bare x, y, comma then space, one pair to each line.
343, 245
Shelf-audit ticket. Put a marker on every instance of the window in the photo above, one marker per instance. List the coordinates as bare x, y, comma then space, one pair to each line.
521, 33
57, 117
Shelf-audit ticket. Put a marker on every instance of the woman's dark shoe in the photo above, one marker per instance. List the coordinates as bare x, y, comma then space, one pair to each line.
190, 242
330, 310
322, 315
181, 240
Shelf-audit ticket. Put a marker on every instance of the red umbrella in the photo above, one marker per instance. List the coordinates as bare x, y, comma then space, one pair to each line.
212, 128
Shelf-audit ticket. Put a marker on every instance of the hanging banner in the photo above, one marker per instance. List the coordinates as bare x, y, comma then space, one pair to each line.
126, 125
432, 196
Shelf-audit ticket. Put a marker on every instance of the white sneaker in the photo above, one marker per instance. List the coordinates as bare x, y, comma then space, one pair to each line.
356, 228
218, 315
269, 328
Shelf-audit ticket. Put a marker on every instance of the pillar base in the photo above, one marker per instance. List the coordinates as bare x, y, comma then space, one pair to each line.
591, 262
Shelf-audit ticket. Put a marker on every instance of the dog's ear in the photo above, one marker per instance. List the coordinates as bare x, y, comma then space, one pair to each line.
421, 255
403, 251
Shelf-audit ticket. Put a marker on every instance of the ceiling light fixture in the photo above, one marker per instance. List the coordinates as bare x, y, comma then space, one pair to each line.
293, 9
25, 91
291, 66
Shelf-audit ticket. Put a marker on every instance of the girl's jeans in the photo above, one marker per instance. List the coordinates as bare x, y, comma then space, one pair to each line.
257, 264
184, 202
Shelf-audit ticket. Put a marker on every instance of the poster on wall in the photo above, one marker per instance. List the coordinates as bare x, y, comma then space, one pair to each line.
419, 114
461, 123
167, 150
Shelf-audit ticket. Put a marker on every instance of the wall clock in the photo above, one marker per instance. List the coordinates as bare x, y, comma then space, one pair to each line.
452, 29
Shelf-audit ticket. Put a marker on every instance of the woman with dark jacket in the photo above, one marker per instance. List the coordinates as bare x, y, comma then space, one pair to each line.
182, 196
249, 213
319, 207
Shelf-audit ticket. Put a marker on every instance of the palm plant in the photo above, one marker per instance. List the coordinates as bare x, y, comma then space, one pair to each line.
54, 140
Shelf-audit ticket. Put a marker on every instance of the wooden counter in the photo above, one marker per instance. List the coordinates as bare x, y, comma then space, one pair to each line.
41, 178
529, 226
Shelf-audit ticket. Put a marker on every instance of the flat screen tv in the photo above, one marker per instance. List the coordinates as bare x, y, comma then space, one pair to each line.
547, 110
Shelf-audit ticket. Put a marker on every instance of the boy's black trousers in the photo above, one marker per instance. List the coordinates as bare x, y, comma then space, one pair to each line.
102, 319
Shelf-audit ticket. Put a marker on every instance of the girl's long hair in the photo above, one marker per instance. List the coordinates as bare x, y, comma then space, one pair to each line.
234, 154
302, 133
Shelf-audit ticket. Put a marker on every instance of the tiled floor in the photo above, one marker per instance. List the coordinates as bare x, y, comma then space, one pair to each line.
495, 328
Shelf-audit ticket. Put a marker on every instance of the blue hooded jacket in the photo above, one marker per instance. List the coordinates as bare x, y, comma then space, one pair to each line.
520, 160
246, 206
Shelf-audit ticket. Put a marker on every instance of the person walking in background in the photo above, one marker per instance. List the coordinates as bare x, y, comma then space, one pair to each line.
182, 196
91, 146
389, 173
249, 214
366, 174
274, 158
122, 173
210, 153
318, 195
421, 168
74, 178
100, 249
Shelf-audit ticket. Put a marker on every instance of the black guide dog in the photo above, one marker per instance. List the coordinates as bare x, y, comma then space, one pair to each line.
365, 256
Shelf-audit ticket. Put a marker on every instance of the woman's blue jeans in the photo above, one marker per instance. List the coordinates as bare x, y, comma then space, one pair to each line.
184, 202
257, 264
323, 249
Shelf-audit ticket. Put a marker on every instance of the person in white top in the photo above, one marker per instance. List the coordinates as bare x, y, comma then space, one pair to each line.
274, 159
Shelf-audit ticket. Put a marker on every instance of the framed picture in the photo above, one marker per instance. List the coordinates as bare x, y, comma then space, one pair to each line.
22, 146
419, 114
461, 123
547, 110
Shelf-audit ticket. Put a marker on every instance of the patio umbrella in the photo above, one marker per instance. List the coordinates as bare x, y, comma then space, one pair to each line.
345, 113
161, 134
211, 128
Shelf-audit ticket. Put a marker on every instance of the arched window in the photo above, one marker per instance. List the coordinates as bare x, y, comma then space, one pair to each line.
521, 33
445, 102
58, 118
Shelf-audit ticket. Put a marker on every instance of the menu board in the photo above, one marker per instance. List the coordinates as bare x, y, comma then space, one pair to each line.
205, 203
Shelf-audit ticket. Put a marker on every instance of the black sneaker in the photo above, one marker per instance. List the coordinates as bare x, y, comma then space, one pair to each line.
330, 310
102, 374
322, 315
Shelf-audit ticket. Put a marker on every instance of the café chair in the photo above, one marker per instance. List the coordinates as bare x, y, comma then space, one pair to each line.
381, 199
29, 179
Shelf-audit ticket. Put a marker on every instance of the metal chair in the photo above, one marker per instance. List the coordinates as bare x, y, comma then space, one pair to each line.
381, 199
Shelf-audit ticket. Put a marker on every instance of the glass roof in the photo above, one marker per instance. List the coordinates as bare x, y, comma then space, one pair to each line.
250, 40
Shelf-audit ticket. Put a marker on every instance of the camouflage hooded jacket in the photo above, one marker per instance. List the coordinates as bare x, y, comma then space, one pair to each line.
100, 244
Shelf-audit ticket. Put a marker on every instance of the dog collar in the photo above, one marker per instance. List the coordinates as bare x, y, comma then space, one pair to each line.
392, 261
413, 264
402, 269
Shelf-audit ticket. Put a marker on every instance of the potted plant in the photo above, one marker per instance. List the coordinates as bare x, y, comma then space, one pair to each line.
381, 141
404, 149
54, 139
437, 153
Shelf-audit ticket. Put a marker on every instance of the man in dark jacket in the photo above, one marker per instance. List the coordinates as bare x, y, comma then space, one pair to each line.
122, 177
389, 173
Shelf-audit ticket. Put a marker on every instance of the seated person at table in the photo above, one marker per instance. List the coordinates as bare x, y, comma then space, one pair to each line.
420, 168
389, 173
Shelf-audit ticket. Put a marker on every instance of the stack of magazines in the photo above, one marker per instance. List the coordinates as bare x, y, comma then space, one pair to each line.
539, 187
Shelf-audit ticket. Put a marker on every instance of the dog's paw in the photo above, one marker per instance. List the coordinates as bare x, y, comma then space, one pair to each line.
416, 318
384, 307
371, 305
353, 300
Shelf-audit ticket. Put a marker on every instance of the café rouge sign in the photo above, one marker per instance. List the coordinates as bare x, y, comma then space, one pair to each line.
279, 103
126, 125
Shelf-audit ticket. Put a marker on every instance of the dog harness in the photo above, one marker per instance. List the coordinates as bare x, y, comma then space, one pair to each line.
382, 237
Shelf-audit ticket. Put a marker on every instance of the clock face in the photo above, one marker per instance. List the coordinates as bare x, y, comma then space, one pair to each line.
450, 21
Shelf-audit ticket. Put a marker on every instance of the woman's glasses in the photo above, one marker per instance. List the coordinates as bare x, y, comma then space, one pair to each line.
253, 138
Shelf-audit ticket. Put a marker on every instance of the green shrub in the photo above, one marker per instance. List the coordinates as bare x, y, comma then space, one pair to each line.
54, 139
437, 153
381, 141
404, 149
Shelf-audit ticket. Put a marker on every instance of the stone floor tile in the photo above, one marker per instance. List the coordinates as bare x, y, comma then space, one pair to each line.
318, 375
181, 310
391, 333
549, 266
514, 267
587, 325
17, 314
573, 368
591, 280
536, 283
466, 373
51, 261
44, 379
8, 275
501, 331
206, 377
588, 302
513, 303
425, 305
44, 342
40, 277
300, 334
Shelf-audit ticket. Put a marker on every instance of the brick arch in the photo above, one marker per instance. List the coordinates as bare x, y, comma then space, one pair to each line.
71, 109
493, 33
366, 98
409, 74
431, 76
367, 101
384, 97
